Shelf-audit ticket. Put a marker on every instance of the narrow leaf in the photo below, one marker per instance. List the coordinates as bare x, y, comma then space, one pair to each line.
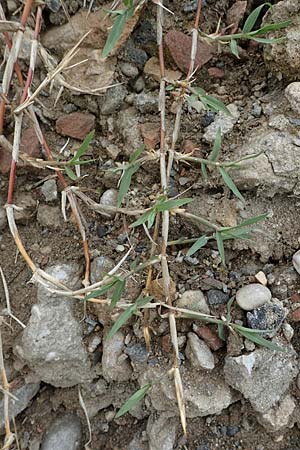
100, 291
221, 332
252, 18
120, 285
229, 305
133, 400
125, 183
70, 173
172, 204
234, 48
214, 104
151, 219
261, 341
272, 27
268, 41
141, 220
247, 222
229, 182
220, 246
116, 31
217, 146
135, 155
201, 242
204, 172
83, 148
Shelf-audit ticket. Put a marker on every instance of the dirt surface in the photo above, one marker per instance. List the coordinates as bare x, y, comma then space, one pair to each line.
259, 97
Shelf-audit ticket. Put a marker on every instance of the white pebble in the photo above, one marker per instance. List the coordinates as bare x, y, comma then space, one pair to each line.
296, 261
253, 296
261, 278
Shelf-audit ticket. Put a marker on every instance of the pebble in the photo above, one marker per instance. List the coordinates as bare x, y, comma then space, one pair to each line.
208, 118
209, 336
256, 110
120, 248
76, 125
268, 317
253, 296
292, 93
64, 434
137, 353
193, 300
129, 70
100, 266
109, 198
216, 297
139, 85
296, 261
114, 366
49, 190
30, 143
222, 121
199, 354
261, 278
295, 316
113, 99
146, 103
288, 331
232, 430
49, 216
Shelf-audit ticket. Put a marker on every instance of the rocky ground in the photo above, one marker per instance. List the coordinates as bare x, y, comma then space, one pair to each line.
238, 395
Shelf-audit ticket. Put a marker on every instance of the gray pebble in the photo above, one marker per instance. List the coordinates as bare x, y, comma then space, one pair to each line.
267, 317
193, 300
64, 434
253, 296
216, 297
199, 354
129, 70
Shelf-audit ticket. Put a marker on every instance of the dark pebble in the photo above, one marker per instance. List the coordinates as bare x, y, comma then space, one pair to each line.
137, 353
216, 297
232, 431
203, 447
267, 317
207, 119
101, 231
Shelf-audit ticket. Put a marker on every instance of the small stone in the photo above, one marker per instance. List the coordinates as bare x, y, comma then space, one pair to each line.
209, 336
139, 85
208, 118
146, 103
215, 72
261, 278
296, 261
295, 316
129, 70
252, 296
236, 13
292, 93
137, 353
25, 201
127, 125
24, 394
267, 317
288, 331
150, 133
235, 344
156, 289
216, 297
76, 125
64, 433
93, 343
100, 266
49, 190
109, 198
199, 353
113, 99
280, 416
161, 431
179, 46
232, 430
152, 69
114, 367
120, 248
193, 300
256, 110
30, 143
49, 216
222, 121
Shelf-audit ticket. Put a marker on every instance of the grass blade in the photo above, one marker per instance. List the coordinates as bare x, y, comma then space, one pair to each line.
204, 172
133, 400
143, 219
260, 340
135, 155
201, 242
125, 183
83, 148
172, 204
230, 184
234, 48
100, 291
247, 222
120, 285
70, 173
214, 104
220, 246
217, 146
116, 31
221, 331
252, 18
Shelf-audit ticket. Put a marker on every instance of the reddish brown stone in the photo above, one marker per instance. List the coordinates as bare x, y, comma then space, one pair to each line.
166, 343
5, 160
296, 315
295, 298
30, 143
236, 13
150, 133
76, 125
215, 72
210, 337
179, 46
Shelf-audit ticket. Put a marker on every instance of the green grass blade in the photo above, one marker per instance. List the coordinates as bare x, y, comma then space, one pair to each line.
201, 242
260, 340
135, 155
230, 184
220, 246
130, 311
252, 18
120, 285
214, 104
272, 27
204, 172
83, 148
100, 291
151, 219
133, 400
217, 146
268, 41
70, 173
116, 31
125, 183
234, 48
221, 331
141, 220
247, 222
172, 204
229, 305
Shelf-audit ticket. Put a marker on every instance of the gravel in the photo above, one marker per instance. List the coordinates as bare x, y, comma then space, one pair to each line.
115, 364
198, 353
63, 434
267, 317
216, 297
193, 300
252, 296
